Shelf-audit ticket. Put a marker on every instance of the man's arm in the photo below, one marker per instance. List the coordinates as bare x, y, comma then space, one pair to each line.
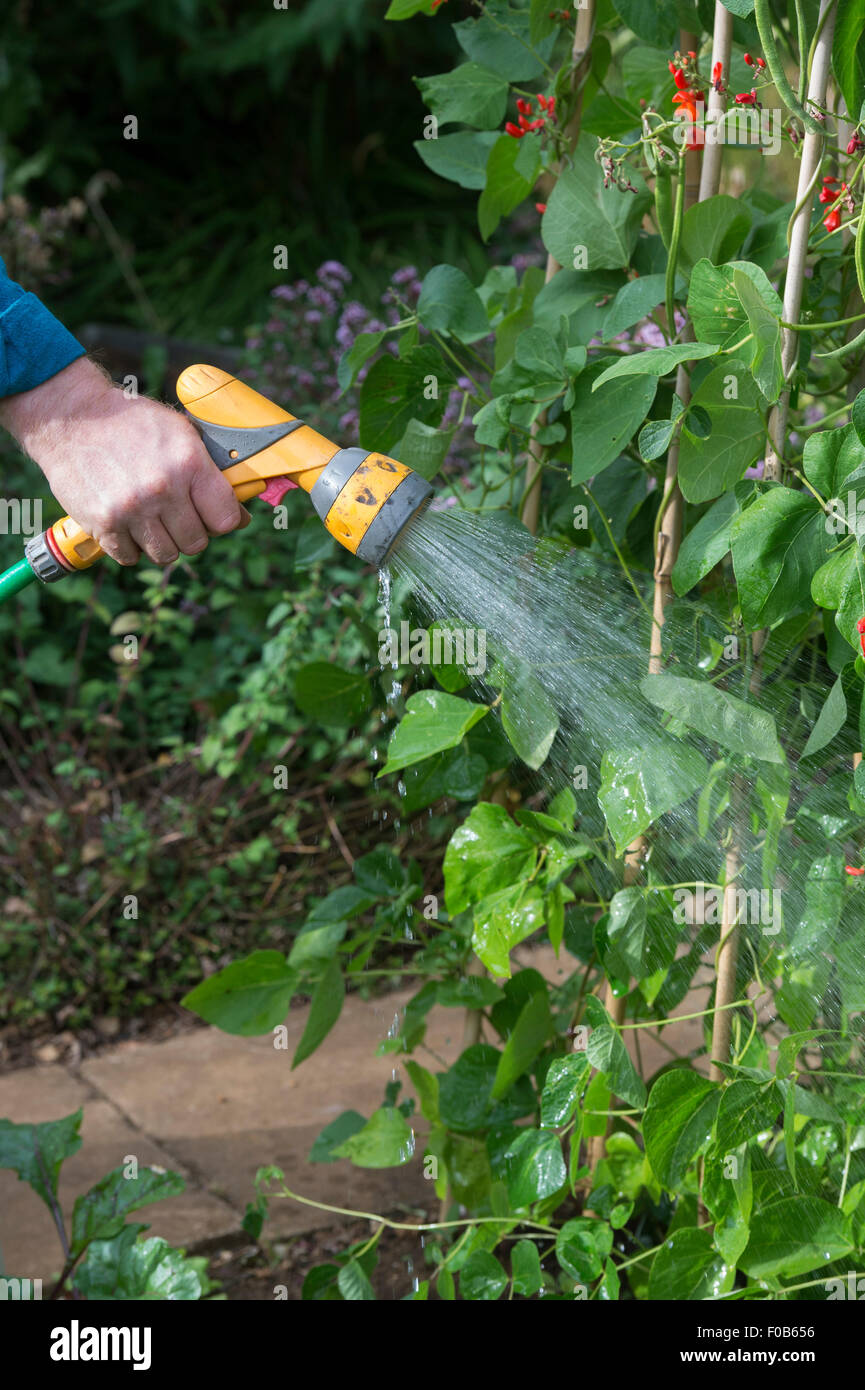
132, 472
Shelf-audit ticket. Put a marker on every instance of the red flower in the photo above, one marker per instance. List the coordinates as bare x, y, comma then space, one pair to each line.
717, 72
436, 3
855, 144
514, 130
541, 207
746, 98
748, 59
832, 223
524, 106
761, 62
854, 873
689, 102
679, 77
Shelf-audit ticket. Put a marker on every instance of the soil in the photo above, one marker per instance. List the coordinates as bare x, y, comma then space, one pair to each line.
27, 1046
244, 1273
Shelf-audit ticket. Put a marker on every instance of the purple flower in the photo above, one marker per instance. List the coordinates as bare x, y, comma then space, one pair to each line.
334, 270
757, 470
283, 292
404, 276
313, 316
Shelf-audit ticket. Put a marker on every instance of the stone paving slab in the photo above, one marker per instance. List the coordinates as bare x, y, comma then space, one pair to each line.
216, 1107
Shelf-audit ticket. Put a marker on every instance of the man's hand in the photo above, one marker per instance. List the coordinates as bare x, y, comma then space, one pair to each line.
133, 473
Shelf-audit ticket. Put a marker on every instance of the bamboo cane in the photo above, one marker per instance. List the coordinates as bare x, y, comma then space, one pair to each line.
798, 233
670, 532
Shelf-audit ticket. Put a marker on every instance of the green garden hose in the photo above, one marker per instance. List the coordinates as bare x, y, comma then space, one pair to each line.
18, 576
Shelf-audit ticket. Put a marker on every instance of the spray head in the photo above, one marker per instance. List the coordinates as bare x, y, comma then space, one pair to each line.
364, 499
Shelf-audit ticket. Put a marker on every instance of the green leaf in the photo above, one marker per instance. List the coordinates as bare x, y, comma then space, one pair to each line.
564, 1081
604, 422
404, 9
713, 229
460, 156
634, 302
716, 309
489, 851
640, 784
584, 218
766, 364
778, 544
502, 921
384, 1142
606, 1051
710, 466
688, 1267
533, 1166
468, 992
678, 1123
100, 1214
655, 361
832, 458
324, 1010
582, 1246
424, 447
848, 54
499, 39
37, 1152
466, 1104
654, 439
528, 717
129, 1269
427, 1087
331, 696
626, 928
829, 581
379, 874
433, 721
334, 1134
399, 390
747, 1108
794, 1236
706, 544
450, 304
724, 718
315, 944
482, 1278
354, 1284
512, 170
525, 1260
830, 721
470, 94
361, 350
532, 1030
851, 604
249, 997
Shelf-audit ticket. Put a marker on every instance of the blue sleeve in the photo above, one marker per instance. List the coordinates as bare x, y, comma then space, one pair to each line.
34, 345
